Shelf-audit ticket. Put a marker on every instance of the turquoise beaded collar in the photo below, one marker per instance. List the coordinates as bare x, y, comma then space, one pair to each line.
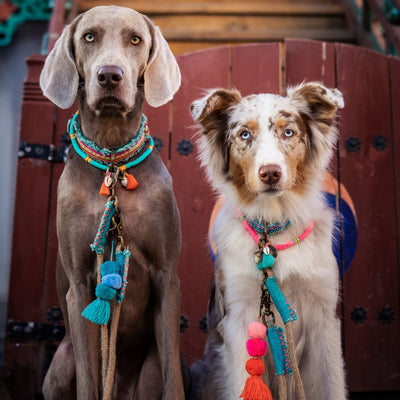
103, 158
261, 227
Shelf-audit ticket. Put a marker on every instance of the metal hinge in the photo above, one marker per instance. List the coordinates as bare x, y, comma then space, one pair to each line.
49, 152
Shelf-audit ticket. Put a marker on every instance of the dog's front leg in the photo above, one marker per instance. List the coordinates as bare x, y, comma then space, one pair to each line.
167, 334
85, 341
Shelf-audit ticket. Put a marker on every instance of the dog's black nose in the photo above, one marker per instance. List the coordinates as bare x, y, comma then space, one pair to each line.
109, 76
270, 174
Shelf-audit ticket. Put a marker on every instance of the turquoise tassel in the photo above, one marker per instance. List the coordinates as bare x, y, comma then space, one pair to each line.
98, 311
267, 261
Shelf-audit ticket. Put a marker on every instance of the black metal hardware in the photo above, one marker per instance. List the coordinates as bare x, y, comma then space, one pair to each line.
42, 151
379, 142
353, 144
185, 147
158, 143
184, 324
359, 315
21, 330
203, 326
386, 315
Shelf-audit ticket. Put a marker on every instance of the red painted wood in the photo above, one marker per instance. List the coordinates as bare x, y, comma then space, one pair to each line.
395, 102
372, 281
200, 70
256, 68
31, 206
309, 60
159, 125
372, 354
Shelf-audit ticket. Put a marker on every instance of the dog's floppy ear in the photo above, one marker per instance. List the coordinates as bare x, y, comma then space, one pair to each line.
211, 111
59, 78
321, 103
162, 77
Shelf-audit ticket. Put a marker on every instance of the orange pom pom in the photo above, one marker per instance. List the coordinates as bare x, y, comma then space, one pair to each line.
104, 190
256, 389
132, 183
255, 366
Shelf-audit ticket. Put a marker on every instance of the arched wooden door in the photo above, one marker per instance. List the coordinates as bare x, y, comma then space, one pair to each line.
367, 163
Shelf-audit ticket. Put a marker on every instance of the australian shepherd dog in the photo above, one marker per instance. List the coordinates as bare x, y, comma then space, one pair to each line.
266, 155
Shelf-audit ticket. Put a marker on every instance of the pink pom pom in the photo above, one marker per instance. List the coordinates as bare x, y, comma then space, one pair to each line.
256, 347
256, 330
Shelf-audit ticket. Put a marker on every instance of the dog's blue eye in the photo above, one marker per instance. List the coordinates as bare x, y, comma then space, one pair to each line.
245, 135
289, 133
89, 37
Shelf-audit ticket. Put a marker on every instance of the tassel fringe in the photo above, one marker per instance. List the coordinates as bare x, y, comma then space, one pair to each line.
256, 389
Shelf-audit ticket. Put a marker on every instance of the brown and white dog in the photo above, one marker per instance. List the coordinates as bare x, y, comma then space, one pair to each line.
111, 59
266, 155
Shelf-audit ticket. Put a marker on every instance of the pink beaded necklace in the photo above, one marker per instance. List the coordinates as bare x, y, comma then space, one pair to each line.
282, 246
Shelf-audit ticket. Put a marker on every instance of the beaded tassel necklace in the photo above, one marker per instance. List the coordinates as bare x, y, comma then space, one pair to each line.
280, 340
109, 160
111, 275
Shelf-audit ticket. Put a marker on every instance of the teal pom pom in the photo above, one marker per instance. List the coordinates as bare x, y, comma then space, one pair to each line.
267, 261
112, 280
104, 292
98, 311
109, 267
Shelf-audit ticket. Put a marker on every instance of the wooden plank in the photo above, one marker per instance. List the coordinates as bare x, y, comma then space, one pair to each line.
221, 7
200, 70
246, 28
30, 222
395, 103
256, 68
372, 281
307, 60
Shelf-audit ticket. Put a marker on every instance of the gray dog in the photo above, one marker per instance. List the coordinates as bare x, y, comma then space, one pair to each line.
111, 59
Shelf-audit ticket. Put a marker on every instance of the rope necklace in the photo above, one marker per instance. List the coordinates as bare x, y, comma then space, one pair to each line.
112, 275
107, 160
281, 340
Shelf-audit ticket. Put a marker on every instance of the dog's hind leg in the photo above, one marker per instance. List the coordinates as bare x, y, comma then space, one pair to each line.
60, 381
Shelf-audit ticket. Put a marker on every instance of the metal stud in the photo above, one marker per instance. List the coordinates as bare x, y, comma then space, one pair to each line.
203, 326
379, 142
184, 324
386, 315
185, 147
359, 315
353, 144
158, 143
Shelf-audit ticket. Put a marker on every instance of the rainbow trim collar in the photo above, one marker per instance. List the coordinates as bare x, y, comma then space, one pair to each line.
103, 158
270, 229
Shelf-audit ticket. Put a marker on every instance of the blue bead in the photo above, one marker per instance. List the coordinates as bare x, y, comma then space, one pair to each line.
109, 267
112, 280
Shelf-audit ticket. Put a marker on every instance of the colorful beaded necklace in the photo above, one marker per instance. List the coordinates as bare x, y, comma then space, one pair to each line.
280, 340
108, 160
258, 226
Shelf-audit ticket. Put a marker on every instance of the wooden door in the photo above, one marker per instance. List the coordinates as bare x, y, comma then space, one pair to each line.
367, 163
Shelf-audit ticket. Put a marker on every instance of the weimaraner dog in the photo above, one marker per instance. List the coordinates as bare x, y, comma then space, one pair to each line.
110, 59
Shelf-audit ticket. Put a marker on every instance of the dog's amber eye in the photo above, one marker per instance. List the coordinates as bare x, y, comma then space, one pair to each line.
245, 135
135, 40
89, 37
289, 133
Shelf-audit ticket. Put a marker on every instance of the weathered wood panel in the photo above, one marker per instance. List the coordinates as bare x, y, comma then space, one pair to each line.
256, 68
201, 70
371, 284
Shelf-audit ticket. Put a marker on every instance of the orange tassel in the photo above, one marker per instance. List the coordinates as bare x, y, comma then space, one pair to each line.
256, 389
132, 183
104, 190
